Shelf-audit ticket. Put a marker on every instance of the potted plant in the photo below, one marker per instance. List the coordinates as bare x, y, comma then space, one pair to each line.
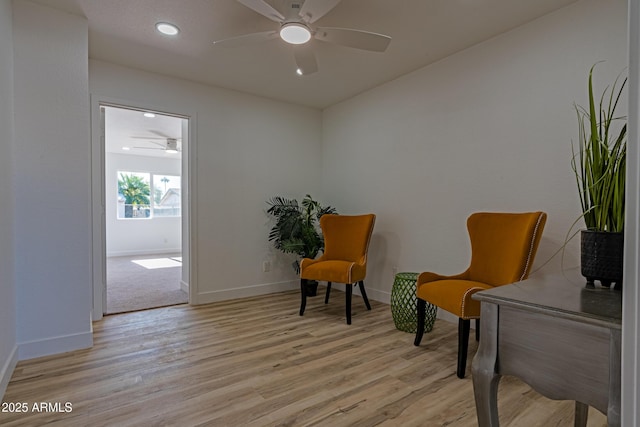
296, 230
600, 165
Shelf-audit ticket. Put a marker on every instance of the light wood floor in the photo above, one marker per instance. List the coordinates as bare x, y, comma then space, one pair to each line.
255, 362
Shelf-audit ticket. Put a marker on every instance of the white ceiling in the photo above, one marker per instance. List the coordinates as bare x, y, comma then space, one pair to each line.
423, 31
140, 135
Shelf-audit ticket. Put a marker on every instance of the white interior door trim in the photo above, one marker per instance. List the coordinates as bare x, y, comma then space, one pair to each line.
98, 227
630, 413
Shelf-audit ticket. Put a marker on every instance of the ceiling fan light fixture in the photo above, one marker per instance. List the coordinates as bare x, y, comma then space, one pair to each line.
172, 146
167, 28
295, 33
299, 71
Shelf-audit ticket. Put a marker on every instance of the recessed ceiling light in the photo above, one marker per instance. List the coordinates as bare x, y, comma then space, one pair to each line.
126, 148
295, 33
150, 115
166, 28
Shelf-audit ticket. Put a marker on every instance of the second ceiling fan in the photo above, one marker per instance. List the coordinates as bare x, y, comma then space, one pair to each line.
170, 145
295, 28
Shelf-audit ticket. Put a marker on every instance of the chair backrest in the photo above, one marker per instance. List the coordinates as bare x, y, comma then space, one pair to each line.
503, 245
346, 237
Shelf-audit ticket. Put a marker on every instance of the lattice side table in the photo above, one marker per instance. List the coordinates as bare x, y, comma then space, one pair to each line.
404, 302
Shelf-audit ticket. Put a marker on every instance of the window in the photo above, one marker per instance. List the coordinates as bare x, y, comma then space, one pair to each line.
135, 190
166, 195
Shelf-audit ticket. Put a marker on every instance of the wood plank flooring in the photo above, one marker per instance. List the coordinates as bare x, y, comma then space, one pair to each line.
255, 362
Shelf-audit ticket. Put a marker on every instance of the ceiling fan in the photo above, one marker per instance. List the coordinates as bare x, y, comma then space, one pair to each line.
295, 28
170, 145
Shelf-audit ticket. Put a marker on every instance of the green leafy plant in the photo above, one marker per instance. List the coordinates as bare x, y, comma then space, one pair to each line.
600, 161
296, 230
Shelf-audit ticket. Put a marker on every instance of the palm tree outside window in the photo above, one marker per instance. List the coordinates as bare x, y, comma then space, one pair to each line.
147, 195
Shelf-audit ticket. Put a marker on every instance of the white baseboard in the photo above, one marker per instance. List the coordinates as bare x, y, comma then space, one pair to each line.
145, 252
374, 294
247, 291
385, 297
448, 317
7, 370
268, 288
55, 345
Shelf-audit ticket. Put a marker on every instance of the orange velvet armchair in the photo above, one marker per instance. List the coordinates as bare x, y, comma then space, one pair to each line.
503, 247
344, 260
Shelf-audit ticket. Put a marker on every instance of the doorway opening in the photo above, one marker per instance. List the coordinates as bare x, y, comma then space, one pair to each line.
144, 215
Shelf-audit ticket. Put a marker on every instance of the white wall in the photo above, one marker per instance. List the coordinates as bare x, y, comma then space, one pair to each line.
51, 181
246, 149
489, 128
139, 236
8, 346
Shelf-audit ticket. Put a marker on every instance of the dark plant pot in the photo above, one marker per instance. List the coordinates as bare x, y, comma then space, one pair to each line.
312, 288
601, 257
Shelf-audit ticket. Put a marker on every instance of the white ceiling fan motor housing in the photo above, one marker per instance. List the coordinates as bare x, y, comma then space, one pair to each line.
294, 30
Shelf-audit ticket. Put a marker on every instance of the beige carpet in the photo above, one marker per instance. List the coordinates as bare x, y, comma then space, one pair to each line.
143, 282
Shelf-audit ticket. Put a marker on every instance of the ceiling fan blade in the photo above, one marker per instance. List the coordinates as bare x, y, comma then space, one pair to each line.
305, 60
263, 9
159, 144
247, 39
162, 135
354, 38
149, 138
312, 10
157, 132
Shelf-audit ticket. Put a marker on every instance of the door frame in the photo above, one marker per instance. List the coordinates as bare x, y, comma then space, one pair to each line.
98, 221
630, 410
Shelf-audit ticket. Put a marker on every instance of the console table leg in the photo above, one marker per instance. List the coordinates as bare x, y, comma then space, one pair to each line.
485, 378
615, 387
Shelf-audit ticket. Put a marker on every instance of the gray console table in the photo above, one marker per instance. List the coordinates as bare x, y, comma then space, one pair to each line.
557, 336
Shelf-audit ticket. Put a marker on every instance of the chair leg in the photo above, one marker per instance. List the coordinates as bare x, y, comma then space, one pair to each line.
477, 329
326, 296
463, 345
303, 295
364, 294
348, 292
422, 313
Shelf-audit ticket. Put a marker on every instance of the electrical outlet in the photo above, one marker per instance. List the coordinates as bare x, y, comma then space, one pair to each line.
266, 266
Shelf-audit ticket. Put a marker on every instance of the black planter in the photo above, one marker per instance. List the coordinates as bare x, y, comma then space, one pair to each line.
601, 257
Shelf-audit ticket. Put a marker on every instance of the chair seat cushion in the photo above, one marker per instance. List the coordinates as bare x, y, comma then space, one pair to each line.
453, 296
334, 271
